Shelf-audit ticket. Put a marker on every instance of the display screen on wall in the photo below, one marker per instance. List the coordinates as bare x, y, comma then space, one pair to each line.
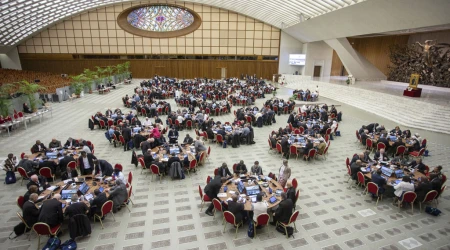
297, 59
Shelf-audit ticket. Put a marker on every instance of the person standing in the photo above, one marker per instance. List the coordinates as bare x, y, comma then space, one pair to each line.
212, 189
285, 173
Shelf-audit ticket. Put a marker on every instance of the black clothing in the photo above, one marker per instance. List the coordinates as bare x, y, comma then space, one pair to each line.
148, 159
41, 184
79, 226
30, 213
241, 169
105, 167
236, 209
98, 202
90, 158
284, 211
355, 168
212, 189
422, 189
51, 212
75, 209
290, 194
35, 148
224, 172
73, 174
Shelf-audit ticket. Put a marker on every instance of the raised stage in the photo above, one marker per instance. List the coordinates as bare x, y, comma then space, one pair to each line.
430, 112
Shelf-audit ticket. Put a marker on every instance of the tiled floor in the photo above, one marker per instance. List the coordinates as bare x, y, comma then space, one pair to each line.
167, 215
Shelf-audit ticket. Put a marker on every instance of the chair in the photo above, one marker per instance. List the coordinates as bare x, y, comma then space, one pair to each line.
155, 171
27, 228
296, 198
209, 152
294, 183
217, 207
23, 173
279, 149
408, 197
270, 145
272, 175
128, 199
400, 150
361, 179
261, 220
429, 197
203, 197
291, 220
130, 179
380, 145
192, 166
110, 123
142, 162
216, 172
106, 209
122, 140
372, 188
324, 153
208, 179
440, 193
101, 124
423, 145
297, 131
358, 137
417, 154
22, 155
349, 172
369, 144
311, 154
20, 201
188, 124
293, 151
47, 173
143, 112
229, 217
72, 164
219, 139
41, 228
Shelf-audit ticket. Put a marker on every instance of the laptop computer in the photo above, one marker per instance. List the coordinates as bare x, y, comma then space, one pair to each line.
136, 129
399, 173
174, 150
252, 190
67, 194
52, 155
386, 171
83, 188
240, 186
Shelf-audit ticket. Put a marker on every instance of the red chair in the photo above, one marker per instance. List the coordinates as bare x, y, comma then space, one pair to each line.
44, 229
188, 124
326, 137
72, 164
261, 220
209, 152
358, 137
142, 162
143, 112
47, 173
297, 131
417, 154
207, 111
311, 154
302, 129
110, 123
229, 217
22, 155
408, 197
101, 124
216, 172
122, 140
279, 149
27, 227
361, 179
125, 202
130, 179
219, 139
349, 172
328, 131
272, 175
293, 151
296, 197
249, 119
400, 150
208, 179
325, 152
200, 159
369, 144
107, 208
291, 220
424, 142
234, 167
217, 111
294, 183
23, 173
440, 193
192, 166
347, 161
270, 145
119, 121
177, 124
429, 197
217, 207
20, 202
380, 145
372, 188
203, 197
155, 171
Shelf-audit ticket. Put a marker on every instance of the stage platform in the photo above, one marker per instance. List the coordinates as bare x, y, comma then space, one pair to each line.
430, 112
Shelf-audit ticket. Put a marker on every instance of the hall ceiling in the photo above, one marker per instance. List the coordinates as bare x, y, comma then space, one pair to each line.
20, 19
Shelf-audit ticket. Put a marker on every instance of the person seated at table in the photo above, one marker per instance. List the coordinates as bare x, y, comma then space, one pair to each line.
28, 165
118, 173
161, 166
224, 171
51, 211
290, 191
69, 173
174, 158
380, 129
71, 143
309, 145
97, 203
38, 181
256, 169
118, 194
422, 187
380, 155
415, 144
437, 170
86, 163
379, 180
10, 163
324, 128
241, 168
30, 212
76, 207
49, 163
355, 167
361, 130
102, 168
259, 207
396, 131
283, 212
147, 122
404, 186
32, 189
366, 159
38, 147
364, 136
188, 139
284, 173
173, 135
199, 146
436, 181
406, 133
67, 157
237, 209
85, 148
54, 144
418, 165
393, 149
26, 109
322, 145
385, 140
212, 189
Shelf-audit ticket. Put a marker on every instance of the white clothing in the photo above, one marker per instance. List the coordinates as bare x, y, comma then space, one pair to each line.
86, 163
87, 149
259, 208
121, 177
282, 170
147, 123
403, 187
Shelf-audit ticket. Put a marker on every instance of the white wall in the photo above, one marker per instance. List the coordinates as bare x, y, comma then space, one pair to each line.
373, 16
289, 45
11, 60
318, 54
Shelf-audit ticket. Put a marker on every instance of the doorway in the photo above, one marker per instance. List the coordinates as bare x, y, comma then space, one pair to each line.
317, 71
223, 73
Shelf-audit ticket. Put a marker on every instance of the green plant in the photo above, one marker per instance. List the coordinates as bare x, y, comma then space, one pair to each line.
348, 81
5, 101
110, 70
29, 90
120, 70
89, 78
77, 83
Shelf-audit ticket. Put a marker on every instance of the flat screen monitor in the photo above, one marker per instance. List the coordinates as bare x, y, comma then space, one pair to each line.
297, 59
386, 171
174, 150
83, 188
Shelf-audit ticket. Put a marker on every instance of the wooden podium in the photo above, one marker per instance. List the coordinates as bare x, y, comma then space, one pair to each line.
413, 92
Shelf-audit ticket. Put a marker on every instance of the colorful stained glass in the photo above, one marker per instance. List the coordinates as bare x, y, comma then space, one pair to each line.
160, 18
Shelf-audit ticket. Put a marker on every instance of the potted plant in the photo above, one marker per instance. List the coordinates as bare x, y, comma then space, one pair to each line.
29, 90
110, 70
127, 65
89, 78
5, 99
120, 70
77, 84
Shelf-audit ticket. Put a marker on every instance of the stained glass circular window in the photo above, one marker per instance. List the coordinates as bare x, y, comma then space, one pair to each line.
159, 20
